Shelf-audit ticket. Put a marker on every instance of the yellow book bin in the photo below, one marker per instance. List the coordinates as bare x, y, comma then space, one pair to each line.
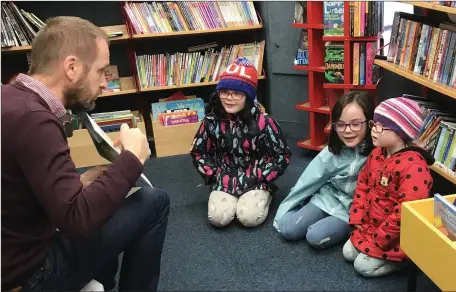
428, 247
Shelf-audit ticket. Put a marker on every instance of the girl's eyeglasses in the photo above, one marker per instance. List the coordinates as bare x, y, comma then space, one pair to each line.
234, 94
354, 126
378, 127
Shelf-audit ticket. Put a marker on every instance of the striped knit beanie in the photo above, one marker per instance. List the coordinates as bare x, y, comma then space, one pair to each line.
240, 76
401, 115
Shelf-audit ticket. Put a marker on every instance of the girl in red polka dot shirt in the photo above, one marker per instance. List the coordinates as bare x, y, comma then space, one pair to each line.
395, 172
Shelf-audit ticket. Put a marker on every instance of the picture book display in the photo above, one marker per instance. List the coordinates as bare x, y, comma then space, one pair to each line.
334, 62
178, 109
445, 216
104, 145
302, 55
112, 78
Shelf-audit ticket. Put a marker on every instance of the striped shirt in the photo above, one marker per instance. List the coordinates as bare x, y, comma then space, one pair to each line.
54, 103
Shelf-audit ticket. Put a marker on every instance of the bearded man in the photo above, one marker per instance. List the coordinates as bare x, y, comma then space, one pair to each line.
61, 229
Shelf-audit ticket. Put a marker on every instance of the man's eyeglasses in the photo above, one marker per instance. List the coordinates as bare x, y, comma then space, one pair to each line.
234, 94
378, 127
354, 126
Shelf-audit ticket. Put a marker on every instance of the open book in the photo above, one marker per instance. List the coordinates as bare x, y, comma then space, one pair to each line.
105, 147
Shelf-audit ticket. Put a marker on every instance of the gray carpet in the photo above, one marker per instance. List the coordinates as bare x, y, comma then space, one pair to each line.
199, 257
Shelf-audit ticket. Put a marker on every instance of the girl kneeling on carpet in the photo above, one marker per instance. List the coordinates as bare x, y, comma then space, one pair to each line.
239, 150
394, 173
317, 207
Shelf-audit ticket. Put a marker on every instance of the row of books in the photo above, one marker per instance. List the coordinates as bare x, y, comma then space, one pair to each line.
178, 109
365, 72
194, 67
165, 17
437, 134
444, 3
424, 47
366, 18
18, 27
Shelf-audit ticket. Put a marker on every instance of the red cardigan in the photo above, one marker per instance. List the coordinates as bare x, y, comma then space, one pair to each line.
41, 188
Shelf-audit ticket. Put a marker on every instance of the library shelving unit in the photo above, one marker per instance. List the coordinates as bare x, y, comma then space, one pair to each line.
323, 96
422, 80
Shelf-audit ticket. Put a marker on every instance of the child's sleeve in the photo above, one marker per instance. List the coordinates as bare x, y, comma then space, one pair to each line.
357, 212
414, 184
203, 153
278, 154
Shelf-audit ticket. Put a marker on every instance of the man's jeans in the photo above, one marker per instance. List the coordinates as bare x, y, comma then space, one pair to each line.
138, 229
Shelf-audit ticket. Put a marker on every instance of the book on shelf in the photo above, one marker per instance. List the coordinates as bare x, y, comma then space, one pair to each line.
113, 79
366, 18
194, 67
424, 47
302, 54
333, 18
437, 134
191, 104
334, 62
300, 13
167, 17
105, 146
365, 72
445, 216
18, 27
111, 121
444, 3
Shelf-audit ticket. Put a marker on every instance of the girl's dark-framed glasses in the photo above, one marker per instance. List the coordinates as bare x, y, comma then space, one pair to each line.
354, 126
237, 95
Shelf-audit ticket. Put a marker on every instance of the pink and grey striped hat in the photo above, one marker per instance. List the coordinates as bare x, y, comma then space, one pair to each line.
401, 115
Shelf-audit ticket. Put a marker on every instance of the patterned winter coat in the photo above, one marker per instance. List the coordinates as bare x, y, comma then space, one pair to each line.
235, 156
383, 185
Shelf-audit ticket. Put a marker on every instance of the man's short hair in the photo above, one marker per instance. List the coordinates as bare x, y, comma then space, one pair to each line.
61, 37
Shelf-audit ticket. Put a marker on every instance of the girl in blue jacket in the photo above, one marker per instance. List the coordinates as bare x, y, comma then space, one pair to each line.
317, 207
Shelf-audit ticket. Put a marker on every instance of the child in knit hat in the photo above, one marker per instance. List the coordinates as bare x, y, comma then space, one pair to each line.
395, 172
239, 150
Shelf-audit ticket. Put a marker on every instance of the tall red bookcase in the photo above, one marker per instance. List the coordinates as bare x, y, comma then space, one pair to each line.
323, 96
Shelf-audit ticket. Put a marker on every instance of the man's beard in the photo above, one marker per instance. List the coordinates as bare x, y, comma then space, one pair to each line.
79, 98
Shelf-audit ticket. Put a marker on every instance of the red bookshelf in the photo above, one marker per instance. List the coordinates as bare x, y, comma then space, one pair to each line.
323, 96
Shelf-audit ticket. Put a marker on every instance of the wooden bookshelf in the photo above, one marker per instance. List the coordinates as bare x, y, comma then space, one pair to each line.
432, 6
111, 28
418, 78
349, 86
308, 145
444, 172
196, 32
160, 88
306, 107
350, 38
309, 25
127, 86
309, 68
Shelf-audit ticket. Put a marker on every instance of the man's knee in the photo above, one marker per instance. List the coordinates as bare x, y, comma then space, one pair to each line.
153, 196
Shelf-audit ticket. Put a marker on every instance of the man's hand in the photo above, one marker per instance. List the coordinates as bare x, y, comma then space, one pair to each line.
92, 174
134, 141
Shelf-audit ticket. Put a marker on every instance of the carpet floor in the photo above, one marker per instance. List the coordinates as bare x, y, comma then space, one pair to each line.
199, 257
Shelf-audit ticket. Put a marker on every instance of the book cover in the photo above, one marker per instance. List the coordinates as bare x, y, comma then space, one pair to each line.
445, 216
112, 78
104, 145
196, 104
302, 55
333, 18
300, 13
334, 62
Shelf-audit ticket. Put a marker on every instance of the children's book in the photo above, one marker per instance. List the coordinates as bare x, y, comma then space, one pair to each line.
334, 62
105, 145
445, 216
333, 18
302, 56
112, 78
